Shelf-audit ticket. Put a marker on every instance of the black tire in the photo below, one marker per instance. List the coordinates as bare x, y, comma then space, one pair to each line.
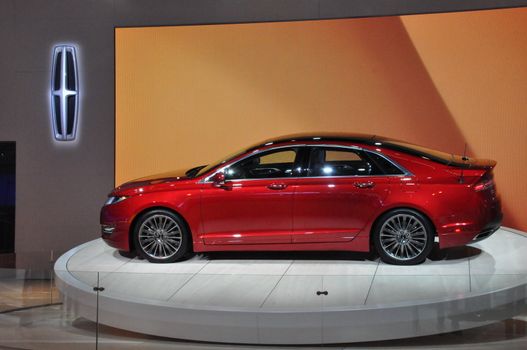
161, 236
403, 237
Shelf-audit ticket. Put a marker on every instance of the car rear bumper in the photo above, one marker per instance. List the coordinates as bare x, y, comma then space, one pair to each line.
470, 233
489, 229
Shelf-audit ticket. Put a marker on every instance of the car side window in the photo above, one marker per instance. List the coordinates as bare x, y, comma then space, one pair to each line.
340, 162
388, 168
265, 165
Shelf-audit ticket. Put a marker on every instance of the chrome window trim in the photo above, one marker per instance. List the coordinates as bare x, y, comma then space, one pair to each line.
405, 172
313, 177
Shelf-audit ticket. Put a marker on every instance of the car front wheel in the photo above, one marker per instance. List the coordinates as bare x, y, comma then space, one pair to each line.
160, 236
403, 237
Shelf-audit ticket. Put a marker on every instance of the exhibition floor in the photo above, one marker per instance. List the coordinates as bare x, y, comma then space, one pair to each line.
280, 298
54, 328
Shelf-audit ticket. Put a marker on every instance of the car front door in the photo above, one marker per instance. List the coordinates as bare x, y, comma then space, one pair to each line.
341, 191
254, 205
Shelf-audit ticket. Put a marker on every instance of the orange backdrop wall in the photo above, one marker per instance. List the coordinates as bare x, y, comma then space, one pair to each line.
188, 95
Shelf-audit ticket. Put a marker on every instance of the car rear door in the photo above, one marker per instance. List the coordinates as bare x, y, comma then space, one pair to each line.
339, 195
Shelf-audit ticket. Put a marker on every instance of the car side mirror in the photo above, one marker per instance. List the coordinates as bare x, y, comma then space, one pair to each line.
218, 179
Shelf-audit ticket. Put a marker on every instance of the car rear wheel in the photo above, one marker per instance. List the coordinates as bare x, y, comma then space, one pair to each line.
403, 237
160, 236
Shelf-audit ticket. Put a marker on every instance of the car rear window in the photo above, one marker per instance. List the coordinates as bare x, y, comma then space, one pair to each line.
424, 152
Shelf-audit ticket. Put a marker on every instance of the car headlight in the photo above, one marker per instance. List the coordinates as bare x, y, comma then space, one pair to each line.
113, 200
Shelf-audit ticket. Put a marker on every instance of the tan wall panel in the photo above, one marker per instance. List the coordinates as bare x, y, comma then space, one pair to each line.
188, 95
478, 62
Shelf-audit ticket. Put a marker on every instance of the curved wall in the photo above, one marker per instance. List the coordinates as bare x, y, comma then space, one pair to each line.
200, 92
477, 61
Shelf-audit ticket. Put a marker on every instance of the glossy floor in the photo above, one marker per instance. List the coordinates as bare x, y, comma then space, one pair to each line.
16, 293
55, 329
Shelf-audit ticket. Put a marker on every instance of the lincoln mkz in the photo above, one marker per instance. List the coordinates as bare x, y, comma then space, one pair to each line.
339, 192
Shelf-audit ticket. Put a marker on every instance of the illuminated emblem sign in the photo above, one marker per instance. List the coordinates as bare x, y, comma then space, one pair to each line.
64, 93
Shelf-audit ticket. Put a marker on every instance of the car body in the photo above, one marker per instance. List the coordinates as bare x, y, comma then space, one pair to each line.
328, 191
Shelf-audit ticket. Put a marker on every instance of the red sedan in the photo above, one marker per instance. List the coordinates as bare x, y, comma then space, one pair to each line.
343, 192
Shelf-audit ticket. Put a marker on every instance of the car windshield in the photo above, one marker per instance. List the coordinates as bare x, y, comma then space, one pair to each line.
220, 162
193, 171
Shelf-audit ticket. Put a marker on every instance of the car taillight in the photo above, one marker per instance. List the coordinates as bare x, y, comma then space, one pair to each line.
486, 182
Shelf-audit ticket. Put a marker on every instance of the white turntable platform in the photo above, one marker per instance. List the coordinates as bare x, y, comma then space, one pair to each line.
271, 298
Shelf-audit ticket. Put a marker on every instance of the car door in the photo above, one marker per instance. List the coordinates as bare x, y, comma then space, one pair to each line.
255, 204
341, 191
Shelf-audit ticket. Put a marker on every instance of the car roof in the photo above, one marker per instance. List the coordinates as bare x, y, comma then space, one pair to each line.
386, 142
329, 136
323, 136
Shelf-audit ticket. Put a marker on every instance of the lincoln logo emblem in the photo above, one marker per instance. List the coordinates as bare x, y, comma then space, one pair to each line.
64, 93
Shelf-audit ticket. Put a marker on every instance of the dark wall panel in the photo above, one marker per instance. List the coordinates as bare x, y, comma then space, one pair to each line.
7, 196
60, 187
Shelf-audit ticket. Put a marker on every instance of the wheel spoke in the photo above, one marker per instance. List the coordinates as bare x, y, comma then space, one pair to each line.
146, 246
389, 230
391, 244
170, 225
416, 229
173, 240
396, 253
165, 250
400, 221
391, 227
169, 244
409, 223
413, 248
172, 229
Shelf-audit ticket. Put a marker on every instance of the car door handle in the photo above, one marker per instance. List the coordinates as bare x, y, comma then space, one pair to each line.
366, 184
277, 186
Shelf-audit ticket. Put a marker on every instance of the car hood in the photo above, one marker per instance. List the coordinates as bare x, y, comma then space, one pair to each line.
171, 176
168, 176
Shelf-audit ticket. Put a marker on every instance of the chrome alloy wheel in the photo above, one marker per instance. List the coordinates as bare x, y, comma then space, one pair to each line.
160, 236
403, 237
